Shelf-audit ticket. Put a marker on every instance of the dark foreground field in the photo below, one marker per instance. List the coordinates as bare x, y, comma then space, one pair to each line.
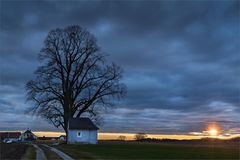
16, 151
127, 150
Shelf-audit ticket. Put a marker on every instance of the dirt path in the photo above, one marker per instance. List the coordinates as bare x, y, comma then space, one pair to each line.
39, 152
60, 153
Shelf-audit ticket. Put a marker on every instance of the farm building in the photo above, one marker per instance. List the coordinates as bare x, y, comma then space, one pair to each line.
82, 130
62, 138
12, 136
28, 136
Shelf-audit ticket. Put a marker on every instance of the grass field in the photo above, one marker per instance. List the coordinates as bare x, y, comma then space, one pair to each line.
30, 153
126, 150
50, 154
13, 151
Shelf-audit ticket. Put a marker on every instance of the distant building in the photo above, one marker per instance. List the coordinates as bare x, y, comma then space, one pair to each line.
12, 136
62, 138
28, 136
82, 130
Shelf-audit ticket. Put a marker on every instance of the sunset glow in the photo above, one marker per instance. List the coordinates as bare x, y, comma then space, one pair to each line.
130, 136
213, 132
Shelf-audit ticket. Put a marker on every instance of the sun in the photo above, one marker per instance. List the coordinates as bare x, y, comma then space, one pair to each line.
213, 132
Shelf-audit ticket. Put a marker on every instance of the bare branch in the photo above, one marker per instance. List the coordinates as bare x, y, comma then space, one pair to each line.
74, 77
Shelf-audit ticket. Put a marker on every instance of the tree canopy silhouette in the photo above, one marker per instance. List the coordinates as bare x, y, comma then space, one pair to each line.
140, 136
74, 77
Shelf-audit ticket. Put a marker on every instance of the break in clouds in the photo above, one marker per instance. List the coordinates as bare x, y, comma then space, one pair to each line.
180, 60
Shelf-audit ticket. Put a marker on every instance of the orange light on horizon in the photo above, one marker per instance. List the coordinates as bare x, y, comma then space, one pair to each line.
130, 136
214, 129
213, 132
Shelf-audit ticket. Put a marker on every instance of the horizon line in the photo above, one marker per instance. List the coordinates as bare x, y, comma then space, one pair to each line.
130, 136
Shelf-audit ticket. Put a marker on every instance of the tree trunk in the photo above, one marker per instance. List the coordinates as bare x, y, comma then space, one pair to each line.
66, 135
66, 122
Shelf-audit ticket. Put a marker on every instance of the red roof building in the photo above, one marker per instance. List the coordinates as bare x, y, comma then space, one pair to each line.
9, 135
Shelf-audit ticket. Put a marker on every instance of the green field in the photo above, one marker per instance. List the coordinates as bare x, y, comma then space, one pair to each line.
127, 150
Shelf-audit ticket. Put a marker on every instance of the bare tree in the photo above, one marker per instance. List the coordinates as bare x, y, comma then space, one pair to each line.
122, 138
74, 77
140, 136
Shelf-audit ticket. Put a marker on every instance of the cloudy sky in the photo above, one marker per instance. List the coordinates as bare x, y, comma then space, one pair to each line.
181, 61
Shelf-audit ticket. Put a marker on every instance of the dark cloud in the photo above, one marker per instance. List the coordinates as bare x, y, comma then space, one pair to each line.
181, 58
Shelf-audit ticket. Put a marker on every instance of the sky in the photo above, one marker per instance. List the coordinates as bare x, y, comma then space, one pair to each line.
181, 61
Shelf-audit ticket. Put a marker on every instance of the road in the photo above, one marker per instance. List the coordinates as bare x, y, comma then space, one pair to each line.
39, 152
60, 153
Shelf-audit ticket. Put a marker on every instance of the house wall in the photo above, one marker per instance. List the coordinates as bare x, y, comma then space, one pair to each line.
87, 136
24, 136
